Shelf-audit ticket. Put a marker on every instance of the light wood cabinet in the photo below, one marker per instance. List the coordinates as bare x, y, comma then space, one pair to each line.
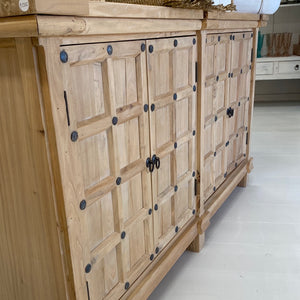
227, 80
123, 131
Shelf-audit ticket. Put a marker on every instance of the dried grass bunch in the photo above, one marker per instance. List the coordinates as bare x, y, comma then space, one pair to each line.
199, 4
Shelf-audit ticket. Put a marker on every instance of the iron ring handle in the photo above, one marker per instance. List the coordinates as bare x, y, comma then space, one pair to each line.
296, 68
157, 162
150, 165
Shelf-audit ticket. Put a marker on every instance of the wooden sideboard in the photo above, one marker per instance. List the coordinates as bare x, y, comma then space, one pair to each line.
124, 128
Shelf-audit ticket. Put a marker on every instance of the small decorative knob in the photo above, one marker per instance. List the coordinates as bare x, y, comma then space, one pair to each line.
296, 67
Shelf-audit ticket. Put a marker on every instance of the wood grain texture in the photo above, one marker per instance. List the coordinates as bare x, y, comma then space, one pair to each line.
67, 26
18, 27
229, 24
31, 265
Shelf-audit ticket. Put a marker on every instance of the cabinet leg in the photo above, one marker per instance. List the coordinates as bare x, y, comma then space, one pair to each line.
243, 182
197, 244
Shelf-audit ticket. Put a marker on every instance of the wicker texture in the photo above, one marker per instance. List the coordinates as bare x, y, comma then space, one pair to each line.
195, 4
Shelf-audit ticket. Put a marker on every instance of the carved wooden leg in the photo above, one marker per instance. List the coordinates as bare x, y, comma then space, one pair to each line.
197, 244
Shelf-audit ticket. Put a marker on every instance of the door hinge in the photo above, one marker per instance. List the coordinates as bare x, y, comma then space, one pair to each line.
196, 71
88, 290
247, 138
67, 107
252, 55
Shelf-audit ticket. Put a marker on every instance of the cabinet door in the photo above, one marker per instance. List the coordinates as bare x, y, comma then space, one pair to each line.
238, 101
105, 93
172, 99
216, 65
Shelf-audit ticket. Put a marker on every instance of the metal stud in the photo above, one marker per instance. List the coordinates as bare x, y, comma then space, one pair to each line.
194, 41
175, 43
175, 188
236, 164
175, 145
151, 48
194, 174
152, 107
156, 250
214, 188
118, 180
225, 175
123, 234
230, 37
146, 107
241, 71
217, 78
174, 96
251, 34
244, 154
227, 144
239, 103
237, 135
215, 154
127, 285
243, 35
216, 118
233, 37
143, 47
63, 56
74, 136
88, 268
150, 211
194, 132
194, 211
248, 99
176, 229
231, 75
219, 38
194, 88
82, 205
155, 207
151, 256
109, 50
114, 120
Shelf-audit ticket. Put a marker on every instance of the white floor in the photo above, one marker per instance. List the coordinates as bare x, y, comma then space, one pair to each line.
252, 248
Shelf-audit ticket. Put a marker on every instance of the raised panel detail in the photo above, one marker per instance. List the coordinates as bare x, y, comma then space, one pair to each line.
106, 95
171, 81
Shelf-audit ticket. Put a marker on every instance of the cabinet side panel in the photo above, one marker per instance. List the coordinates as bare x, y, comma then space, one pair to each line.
29, 248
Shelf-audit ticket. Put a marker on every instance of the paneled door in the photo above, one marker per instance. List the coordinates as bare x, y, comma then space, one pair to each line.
106, 113
172, 102
239, 95
216, 66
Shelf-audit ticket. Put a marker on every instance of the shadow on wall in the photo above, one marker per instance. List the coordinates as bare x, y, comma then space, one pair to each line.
277, 90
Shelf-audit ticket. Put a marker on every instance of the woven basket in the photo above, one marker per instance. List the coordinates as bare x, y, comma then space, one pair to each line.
195, 4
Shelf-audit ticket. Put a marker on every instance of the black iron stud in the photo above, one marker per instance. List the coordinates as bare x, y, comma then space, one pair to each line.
114, 120
146, 107
244, 155
109, 50
194, 88
214, 189
194, 41
215, 154
237, 135
248, 99
219, 38
194, 132
227, 144
175, 188
74, 136
246, 128
176, 229
194, 211
194, 174
151, 48
127, 285
236, 164
156, 250
63, 56
123, 234
217, 78
233, 37
88, 268
150, 211
216, 118
151, 256
174, 96
143, 47
243, 35
155, 207
175, 43
239, 103
82, 205
231, 75
175, 145
152, 107
118, 180
251, 34
241, 71
225, 175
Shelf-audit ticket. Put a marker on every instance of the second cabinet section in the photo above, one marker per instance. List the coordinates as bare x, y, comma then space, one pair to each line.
226, 83
131, 115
